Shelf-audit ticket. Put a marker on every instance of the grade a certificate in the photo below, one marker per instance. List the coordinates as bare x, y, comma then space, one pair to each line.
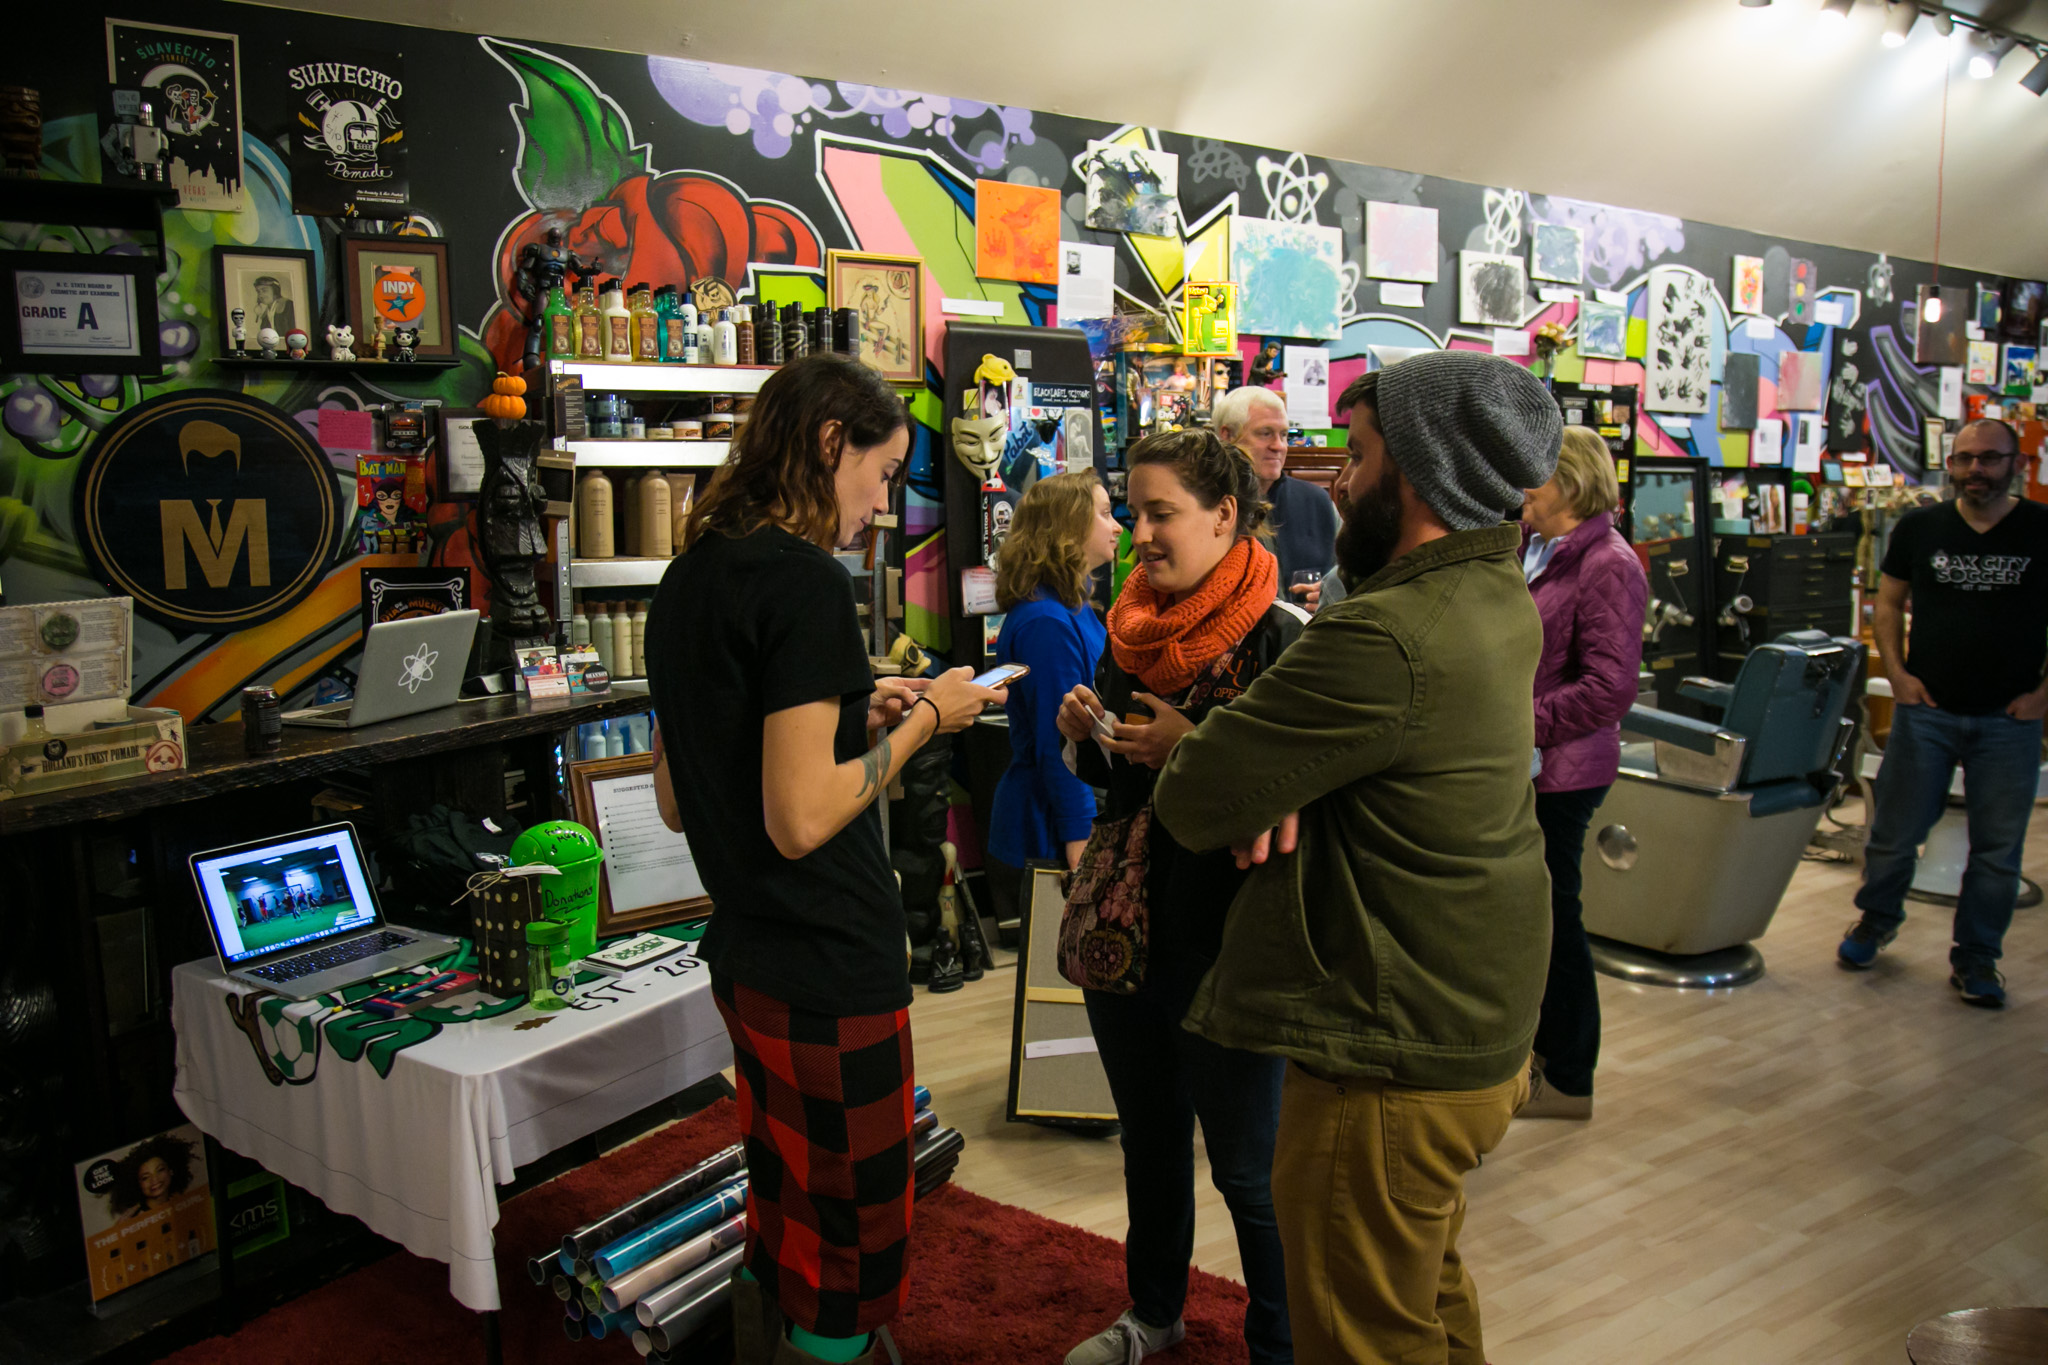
67, 312
645, 863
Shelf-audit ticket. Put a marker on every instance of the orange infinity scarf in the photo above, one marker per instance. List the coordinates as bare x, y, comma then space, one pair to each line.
1166, 648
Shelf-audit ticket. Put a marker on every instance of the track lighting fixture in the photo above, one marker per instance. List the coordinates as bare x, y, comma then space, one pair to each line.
1899, 18
2037, 79
1755, 4
1984, 63
1836, 11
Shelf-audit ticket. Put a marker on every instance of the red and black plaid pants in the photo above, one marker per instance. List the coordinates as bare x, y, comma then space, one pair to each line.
826, 1108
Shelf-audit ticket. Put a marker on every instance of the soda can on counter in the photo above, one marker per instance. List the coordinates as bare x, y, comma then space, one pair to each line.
262, 721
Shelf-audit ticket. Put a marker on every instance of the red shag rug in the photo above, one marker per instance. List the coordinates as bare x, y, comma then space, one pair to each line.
989, 1284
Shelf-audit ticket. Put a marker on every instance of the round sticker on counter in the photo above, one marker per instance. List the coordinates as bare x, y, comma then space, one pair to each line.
59, 680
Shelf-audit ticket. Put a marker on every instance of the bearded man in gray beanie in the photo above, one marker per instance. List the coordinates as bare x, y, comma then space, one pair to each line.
1393, 937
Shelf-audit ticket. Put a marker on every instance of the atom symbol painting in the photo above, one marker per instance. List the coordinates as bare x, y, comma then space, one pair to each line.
419, 668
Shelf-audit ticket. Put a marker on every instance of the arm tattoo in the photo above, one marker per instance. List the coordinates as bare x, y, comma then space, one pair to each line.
874, 769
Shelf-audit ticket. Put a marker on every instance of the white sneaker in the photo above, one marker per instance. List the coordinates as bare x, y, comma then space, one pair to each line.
1126, 1342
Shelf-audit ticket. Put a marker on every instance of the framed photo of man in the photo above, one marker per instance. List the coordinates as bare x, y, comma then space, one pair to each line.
273, 286
394, 282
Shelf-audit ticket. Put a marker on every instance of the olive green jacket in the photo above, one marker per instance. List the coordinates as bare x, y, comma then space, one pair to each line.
1408, 935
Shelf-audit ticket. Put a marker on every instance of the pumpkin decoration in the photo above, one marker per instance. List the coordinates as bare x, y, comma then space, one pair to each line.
504, 403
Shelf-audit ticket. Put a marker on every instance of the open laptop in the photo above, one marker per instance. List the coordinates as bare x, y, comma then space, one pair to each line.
296, 914
407, 667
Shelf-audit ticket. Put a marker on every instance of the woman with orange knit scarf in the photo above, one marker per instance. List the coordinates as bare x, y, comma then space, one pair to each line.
1195, 623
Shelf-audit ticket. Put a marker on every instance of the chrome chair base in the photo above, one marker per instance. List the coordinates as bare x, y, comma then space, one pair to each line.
1717, 970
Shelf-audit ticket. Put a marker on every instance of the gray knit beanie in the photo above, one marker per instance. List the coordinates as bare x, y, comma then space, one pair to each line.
1470, 431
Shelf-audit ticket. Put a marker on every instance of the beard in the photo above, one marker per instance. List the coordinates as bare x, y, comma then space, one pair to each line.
1371, 530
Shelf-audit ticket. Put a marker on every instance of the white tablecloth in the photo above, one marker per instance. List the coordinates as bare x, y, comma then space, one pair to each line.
411, 1124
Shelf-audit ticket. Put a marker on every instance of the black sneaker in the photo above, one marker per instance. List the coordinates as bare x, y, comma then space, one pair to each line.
1979, 984
1862, 944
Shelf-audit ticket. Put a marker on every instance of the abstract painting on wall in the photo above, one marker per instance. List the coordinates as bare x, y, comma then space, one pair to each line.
1739, 375
1557, 252
2021, 367
1798, 381
1748, 294
1016, 232
1603, 330
1131, 189
1990, 307
1290, 278
1680, 359
1982, 367
1400, 242
1491, 289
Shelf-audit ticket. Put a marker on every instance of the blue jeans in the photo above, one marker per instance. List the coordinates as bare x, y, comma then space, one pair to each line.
1163, 1078
2001, 760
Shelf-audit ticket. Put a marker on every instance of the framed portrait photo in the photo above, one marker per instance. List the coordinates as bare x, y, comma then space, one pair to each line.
273, 287
392, 282
888, 294
76, 314
649, 877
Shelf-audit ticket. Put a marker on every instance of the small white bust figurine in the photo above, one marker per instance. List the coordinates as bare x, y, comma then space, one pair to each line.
341, 341
266, 338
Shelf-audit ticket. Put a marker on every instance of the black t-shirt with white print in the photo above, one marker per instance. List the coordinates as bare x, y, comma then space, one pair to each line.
1980, 604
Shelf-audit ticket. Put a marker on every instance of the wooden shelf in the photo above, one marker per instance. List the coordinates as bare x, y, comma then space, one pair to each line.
598, 377
216, 762
611, 454
310, 366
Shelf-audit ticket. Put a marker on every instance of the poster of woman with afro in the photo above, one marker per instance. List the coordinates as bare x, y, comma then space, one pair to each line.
145, 1209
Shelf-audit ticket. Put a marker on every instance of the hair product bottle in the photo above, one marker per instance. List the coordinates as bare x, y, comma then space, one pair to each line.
639, 628
725, 345
558, 327
681, 490
668, 322
657, 525
579, 628
768, 337
745, 328
601, 636
646, 326
692, 353
589, 325
594, 517
629, 514
618, 323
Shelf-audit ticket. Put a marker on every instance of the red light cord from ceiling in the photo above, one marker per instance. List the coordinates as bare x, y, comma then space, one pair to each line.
1941, 165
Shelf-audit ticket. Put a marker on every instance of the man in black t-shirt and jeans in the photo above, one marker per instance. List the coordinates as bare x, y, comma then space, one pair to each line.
1969, 693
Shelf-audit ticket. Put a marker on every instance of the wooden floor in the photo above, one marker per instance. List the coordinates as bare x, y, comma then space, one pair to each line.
1798, 1170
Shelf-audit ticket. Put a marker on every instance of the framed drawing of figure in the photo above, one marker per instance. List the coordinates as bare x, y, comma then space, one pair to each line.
888, 292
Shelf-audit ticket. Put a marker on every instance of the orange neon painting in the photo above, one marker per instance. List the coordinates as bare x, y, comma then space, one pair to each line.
1016, 232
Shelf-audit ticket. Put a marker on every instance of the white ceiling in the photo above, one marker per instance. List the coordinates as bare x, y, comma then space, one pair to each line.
1699, 108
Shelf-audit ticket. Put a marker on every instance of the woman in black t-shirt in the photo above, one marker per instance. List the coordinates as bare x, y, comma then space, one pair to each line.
761, 681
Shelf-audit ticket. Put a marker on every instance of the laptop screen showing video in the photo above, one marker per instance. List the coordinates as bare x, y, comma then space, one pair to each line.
295, 891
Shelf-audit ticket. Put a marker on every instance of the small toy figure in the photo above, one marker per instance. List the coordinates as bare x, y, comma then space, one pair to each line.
267, 339
405, 339
236, 317
543, 266
297, 344
341, 341
378, 339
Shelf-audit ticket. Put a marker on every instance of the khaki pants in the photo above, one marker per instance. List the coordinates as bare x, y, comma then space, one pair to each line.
1369, 1190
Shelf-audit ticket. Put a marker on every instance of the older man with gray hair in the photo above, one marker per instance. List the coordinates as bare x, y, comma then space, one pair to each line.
1304, 520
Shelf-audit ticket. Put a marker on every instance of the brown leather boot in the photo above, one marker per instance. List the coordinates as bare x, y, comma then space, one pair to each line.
756, 1323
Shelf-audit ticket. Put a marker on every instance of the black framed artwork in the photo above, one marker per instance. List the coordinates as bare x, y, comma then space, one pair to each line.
72, 314
275, 287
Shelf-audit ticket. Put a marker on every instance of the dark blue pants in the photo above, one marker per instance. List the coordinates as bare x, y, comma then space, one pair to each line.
1164, 1078
1568, 1029
2001, 761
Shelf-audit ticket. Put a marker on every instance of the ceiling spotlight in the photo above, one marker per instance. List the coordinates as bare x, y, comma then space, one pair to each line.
1899, 18
1983, 64
1944, 23
1836, 11
2037, 79
1755, 4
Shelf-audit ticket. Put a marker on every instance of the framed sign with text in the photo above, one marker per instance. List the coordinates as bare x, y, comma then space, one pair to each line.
71, 314
649, 877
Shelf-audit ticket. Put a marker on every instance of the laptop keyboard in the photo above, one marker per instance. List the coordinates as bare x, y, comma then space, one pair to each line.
305, 964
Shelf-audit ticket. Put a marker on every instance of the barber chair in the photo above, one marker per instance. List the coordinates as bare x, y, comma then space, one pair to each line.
1704, 827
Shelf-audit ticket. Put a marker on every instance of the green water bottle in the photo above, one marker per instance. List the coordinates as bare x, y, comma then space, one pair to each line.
549, 983
558, 326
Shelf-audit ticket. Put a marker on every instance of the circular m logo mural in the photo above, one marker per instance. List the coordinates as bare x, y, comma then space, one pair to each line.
214, 511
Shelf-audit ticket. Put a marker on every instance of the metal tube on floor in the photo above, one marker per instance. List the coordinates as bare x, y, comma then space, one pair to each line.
575, 1309
564, 1287
538, 1268
670, 1266
716, 1169
572, 1329
925, 1122
644, 1244
593, 1300
602, 1325
920, 1097
641, 1342
673, 1330
663, 1301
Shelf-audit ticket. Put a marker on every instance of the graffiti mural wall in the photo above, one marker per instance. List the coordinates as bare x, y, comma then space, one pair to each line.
739, 181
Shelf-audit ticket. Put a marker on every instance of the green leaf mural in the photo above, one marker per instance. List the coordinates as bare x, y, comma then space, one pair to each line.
575, 143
